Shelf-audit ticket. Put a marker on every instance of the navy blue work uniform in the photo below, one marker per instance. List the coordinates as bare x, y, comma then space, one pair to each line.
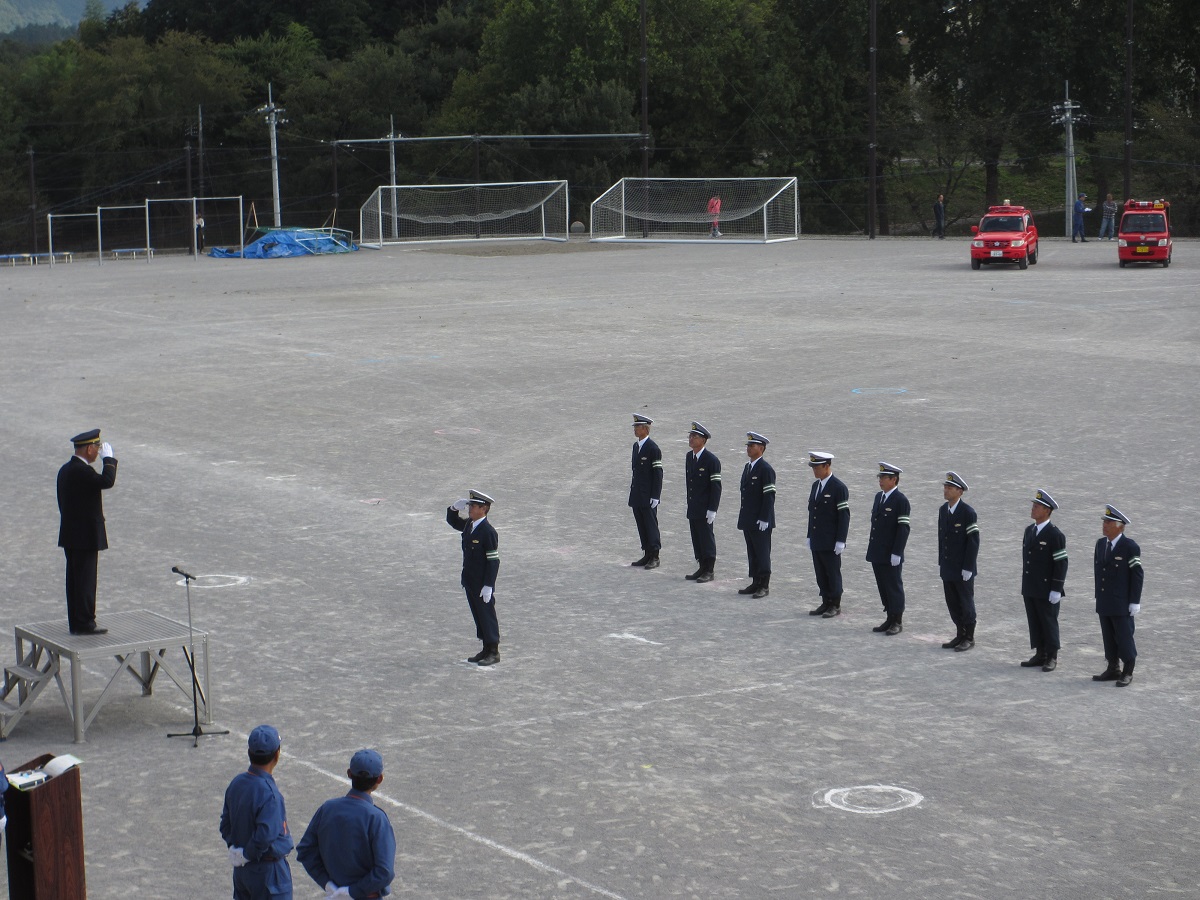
703, 494
758, 505
890, 523
254, 818
1119, 579
481, 565
828, 524
646, 486
82, 535
350, 842
1044, 570
958, 552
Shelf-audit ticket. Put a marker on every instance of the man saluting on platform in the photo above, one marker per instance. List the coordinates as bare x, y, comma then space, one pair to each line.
81, 531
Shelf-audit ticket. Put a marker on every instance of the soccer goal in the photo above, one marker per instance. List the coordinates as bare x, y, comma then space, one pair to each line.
738, 210
409, 213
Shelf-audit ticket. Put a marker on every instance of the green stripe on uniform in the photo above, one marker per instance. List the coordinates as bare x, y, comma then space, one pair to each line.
1060, 554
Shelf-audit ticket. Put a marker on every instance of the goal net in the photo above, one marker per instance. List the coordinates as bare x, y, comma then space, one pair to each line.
405, 213
740, 210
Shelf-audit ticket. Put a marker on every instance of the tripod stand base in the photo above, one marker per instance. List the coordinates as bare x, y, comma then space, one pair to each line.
196, 733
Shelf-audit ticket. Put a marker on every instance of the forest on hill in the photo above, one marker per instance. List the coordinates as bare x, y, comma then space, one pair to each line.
165, 100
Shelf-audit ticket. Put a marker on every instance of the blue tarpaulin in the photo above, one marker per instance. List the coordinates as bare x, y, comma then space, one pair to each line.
291, 242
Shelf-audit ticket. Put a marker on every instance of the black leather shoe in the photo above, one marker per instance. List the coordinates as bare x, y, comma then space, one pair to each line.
966, 644
704, 578
641, 562
887, 623
895, 629
492, 657
762, 591
695, 576
1083, 240
831, 612
1050, 665
1107, 675
478, 656
95, 629
1124, 680
1036, 660
820, 610
750, 588
953, 643
651, 563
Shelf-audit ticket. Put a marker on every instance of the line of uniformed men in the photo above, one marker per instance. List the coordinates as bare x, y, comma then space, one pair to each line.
1118, 566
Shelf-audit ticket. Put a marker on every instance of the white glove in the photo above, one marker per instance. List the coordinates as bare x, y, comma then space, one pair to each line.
106, 451
1055, 596
1134, 609
807, 544
1087, 209
838, 548
459, 504
485, 594
967, 574
762, 526
236, 857
654, 504
711, 516
332, 890
895, 560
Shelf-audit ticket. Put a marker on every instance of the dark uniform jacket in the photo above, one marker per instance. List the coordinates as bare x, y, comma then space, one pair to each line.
647, 474
889, 527
1118, 576
79, 504
758, 496
703, 484
958, 542
1045, 562
481, 551
828, 515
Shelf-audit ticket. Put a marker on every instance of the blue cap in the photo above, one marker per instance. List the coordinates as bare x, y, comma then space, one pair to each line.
886, 468
753, 437
88, 437
263, 739
700, 430
1044, 498
366, 764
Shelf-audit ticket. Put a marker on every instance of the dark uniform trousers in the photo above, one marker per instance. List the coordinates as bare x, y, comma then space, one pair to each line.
758, 505
1119, 578
703, 494
1045, 570
958, 552
81, 534
828, 523
889, 536
646, 486
481, 564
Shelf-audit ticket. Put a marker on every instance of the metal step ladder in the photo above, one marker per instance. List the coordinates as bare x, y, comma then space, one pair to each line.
23, 683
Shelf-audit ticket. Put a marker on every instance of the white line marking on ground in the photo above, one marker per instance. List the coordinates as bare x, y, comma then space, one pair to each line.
626, 636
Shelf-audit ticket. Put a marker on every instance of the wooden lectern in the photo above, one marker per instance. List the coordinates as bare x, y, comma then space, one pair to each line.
45, 837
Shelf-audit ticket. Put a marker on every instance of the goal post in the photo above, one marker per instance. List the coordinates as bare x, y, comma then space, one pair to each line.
518, 210
734, 210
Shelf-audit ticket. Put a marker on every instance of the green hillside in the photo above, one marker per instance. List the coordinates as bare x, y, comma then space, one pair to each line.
16, 14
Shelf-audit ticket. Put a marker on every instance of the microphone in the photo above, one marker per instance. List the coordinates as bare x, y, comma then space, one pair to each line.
179, 571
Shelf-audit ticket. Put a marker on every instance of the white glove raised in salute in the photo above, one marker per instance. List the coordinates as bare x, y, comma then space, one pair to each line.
106, 451
460, 504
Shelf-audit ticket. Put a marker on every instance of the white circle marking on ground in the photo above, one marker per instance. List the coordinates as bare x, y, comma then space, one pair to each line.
868, 799
216, 581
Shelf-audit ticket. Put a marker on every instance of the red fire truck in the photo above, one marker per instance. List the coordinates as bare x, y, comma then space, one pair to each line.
1005, 234
1145, 233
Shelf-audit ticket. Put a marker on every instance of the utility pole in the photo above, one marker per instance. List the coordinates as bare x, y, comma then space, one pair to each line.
200, 139
1066, 115
273, 114
872, 187
32, 203
1128, 192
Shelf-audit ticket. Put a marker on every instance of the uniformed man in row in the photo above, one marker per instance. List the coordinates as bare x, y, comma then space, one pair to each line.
756, 518
703, 498
81, 531
958, 556
1119, 579
890, 524
481, 565
828, 527
1043, 581
254, 824
645, 490
349, 847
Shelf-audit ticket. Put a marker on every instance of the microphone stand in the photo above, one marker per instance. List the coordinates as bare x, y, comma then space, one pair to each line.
197, 732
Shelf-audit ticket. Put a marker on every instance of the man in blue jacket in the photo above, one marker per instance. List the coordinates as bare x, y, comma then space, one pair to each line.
1119, 579
349, 847
828, 528
254, 824
1043, 581
756, 518
645, 490
890, 523
958, 557
703, 471
481, 565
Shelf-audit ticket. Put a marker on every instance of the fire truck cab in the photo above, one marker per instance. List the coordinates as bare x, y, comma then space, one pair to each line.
1005, 234
1145, 233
